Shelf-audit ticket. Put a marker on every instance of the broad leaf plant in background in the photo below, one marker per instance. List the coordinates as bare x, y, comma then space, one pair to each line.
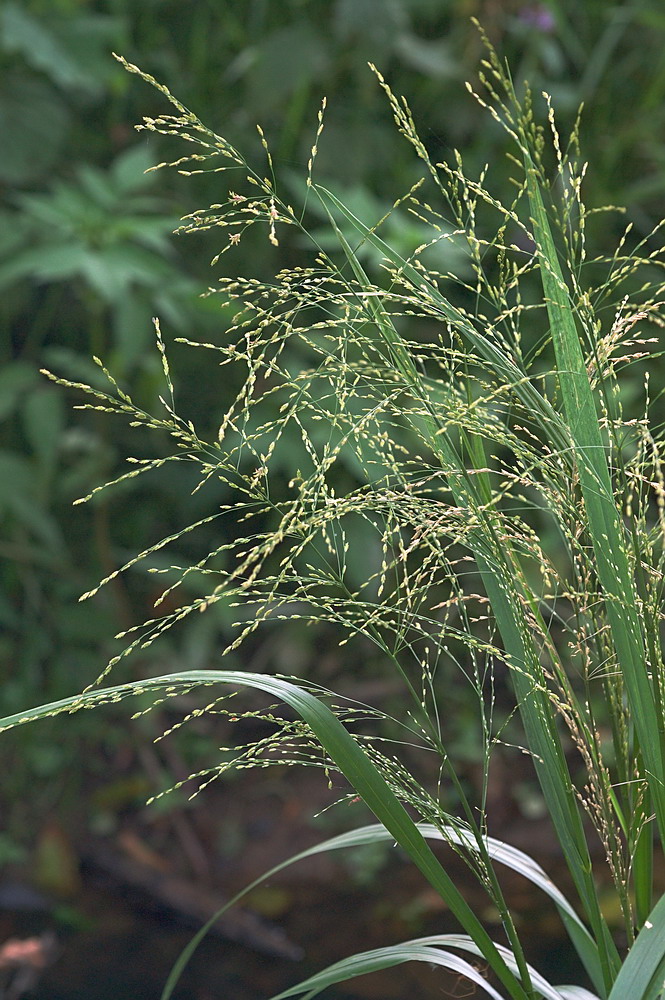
508, 494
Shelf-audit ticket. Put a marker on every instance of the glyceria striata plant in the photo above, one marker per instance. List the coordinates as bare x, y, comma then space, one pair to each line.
469, 427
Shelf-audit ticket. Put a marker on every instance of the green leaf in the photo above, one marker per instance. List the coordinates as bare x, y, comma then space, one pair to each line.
607, 535
286, 60
386, 958
16, 379
69, 54
54, 262
432, 301
44, 422
128, 170
428, 949
642, 976
496, 849
20, 32
499, 571
349, 758
34, 125
575, 993
18, 497
432, 58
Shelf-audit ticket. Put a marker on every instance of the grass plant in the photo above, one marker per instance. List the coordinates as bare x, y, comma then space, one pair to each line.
474, 436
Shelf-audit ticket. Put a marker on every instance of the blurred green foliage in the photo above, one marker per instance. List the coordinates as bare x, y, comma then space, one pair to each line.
86, 256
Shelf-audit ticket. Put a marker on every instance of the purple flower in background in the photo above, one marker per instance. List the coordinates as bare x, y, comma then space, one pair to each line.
537, 16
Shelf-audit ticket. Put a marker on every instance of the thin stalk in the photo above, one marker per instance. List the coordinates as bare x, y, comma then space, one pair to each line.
607, 535
506, 599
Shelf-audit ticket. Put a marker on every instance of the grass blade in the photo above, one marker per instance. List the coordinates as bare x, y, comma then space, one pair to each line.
642, 976
604, 521
427, 949
349, 758
385, 958
497, 850
501, 582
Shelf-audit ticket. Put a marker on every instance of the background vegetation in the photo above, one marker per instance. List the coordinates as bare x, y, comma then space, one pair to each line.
86, 258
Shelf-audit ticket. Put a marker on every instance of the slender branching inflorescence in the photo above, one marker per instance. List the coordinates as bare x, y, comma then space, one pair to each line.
473, 430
